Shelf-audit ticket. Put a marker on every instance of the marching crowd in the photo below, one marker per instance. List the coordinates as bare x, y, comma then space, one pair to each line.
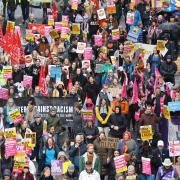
122, 95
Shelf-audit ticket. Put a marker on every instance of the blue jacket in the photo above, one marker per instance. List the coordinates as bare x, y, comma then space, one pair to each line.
137, 18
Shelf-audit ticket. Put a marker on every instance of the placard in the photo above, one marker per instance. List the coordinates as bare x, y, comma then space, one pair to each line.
10, 133
109, 143
161, 45
4, 93
15, 116
10, 147
31, 135
120, 164
101, 14
7, 72
146, 165
76, 28
56, 168
111, 9
131, 177
146, 132
58, 26
174, 106
50, 22
11, 26
174, 148
88, 53
98, 41
115, 34
80, 47
87, 115
64, 32
166, 112
54, 34
86, 64
27, 81
130, 18
55, 72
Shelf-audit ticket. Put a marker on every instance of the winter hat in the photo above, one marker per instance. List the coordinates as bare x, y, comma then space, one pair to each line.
62, 153
160, 143
167, 162
7, 172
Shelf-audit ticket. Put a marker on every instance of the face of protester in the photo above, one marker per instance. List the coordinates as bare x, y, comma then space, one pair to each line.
78, 139
37, 89
178, 160
103, 102
51, 130
126, 136
168, 60
53, 113
26, 170
38, 62
102, 136
78, 71
73, 65
148, 110
7, 177
158, 91
50, 142
160, 148
10, 103
116, 153
16, 68
117, 111
38, 120
88, 168
91, 80
47, 172
24, 125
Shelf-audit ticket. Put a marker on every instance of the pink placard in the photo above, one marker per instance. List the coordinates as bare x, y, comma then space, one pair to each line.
88, 54
47, 29
10, 147
98, 40
146, 165
4, 94
18, 30
27, 81
58, 26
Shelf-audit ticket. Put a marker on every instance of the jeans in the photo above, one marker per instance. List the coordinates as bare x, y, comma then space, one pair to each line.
147, 177
25, 10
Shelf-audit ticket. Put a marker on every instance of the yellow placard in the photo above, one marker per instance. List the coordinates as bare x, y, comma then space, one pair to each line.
31, 136
54, 34
10, 133
76, 28
29, 37
11, 25
15, 114
161, 45
146, 132
111, 9
7, 69
120, 170
166, 113
50, 22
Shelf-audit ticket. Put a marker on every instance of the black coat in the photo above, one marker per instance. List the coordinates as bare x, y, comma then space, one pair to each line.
91, 131
91, 91
120, 121
18, 76
158, 158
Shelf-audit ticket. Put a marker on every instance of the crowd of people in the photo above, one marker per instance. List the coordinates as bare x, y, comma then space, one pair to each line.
121, 88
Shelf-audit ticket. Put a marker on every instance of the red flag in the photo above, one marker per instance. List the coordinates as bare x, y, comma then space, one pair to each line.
69, 84
8, 40
42, 82
19, 45
135, 92
54, 11
124, 88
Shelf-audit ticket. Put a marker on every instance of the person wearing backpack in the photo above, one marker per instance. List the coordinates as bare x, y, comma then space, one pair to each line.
166, 171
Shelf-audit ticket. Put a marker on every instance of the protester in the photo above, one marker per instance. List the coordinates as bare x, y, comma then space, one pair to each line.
88, 87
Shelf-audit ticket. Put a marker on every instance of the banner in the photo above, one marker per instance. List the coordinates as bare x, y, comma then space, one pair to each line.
109, 143
120, 164
4, 93
76, 28
7, 72
56, 168
115, 34
80, 47
174, 148
27, 81
101, 14
98, 41
15, 116
146, 132
146, 165
64, 106
88, 53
